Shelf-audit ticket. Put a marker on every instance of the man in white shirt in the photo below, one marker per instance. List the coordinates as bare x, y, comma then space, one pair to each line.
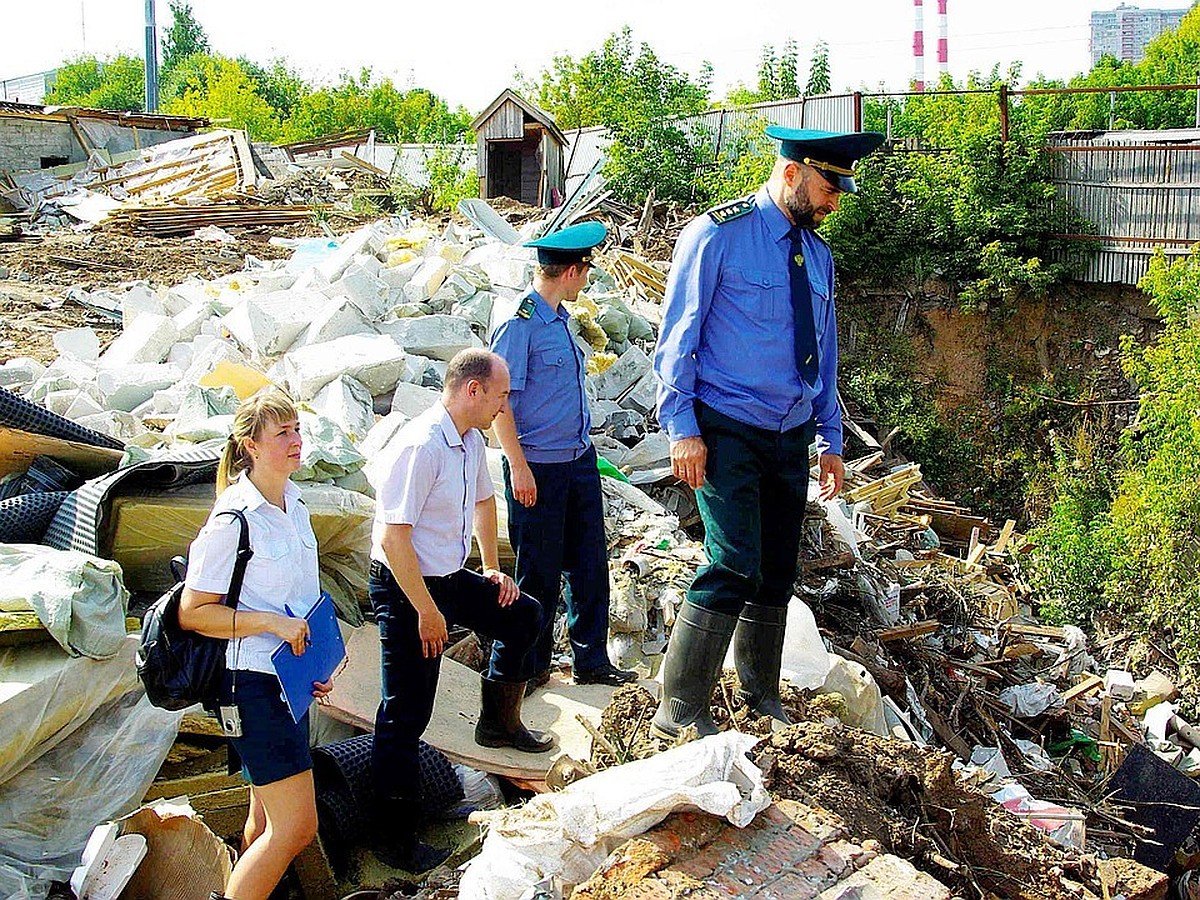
432, 491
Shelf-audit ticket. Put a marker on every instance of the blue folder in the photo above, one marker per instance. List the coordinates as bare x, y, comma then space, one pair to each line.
318, 662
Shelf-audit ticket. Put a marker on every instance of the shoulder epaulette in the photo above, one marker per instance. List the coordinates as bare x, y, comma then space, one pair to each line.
734, 209
525, 310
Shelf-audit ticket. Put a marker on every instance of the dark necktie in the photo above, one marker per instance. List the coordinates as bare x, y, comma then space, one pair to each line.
802, 310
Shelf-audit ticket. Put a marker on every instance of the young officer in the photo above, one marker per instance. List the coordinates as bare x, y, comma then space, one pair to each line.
433, 490
555, 505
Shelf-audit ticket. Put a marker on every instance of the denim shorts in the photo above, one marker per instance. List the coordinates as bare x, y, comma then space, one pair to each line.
272, 747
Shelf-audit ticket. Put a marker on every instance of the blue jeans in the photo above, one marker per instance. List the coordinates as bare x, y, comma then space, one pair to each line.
410, 679
564, 532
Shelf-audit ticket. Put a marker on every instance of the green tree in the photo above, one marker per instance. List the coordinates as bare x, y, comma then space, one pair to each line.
222, 90
277, 83
818, 71
768, 74
789, 78
116, 83
184, 38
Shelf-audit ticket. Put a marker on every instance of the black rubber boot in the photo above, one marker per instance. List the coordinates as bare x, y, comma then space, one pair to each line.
758, 648
215, 896
397, 846
541, 679
500, 718
690, 671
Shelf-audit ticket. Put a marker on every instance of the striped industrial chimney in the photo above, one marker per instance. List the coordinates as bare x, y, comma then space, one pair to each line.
943, 43
919, 46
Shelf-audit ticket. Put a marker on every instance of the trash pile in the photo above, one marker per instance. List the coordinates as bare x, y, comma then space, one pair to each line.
915, 625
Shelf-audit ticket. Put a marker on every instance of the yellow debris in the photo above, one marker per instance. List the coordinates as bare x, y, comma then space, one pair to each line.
600, 361
400, 257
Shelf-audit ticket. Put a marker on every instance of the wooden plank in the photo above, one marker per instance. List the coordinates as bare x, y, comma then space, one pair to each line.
843, 560
1088, 685
18, 450
947, 735
355, 699
904, 632
1005, 534
193, 785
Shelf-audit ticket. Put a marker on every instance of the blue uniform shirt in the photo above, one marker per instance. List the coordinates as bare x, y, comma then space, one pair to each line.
547, 396
727, 337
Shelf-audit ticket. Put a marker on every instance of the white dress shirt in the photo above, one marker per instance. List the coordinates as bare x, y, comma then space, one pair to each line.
281, 575
430, 477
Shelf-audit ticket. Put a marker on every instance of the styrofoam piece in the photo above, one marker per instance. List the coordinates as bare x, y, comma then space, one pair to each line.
622, 375
274, 280
64, 373
334, 263
81, 343
477, 310
504, 307
347, 402
436, 336
511, 270
412, 399
116, 424
310, 280
147, 340
268, 325
396, 277
208, 353
374, 359
336, 319
82, 404
126, 387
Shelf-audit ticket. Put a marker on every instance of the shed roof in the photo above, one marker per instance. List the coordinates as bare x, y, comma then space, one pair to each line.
9, 108
530, 110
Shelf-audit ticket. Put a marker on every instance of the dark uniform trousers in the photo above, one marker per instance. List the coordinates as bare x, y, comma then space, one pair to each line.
410, 679
752, 505
564, 532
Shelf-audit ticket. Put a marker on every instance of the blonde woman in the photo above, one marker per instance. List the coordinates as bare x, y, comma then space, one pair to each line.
280, 586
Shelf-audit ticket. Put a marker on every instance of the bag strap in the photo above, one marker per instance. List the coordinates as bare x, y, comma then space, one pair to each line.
243, 557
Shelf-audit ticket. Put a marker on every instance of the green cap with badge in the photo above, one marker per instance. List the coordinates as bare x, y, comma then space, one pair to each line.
570, 245
832, 154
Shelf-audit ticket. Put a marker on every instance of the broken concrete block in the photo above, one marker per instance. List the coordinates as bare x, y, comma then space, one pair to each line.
81, 343
189, 322
164, 405
269, 325
310, 280
126, 387
64, 373
83, 404
622, 375
334, 263
147, 340
365, 290
274, 280
423, 371
374, 359
368, 261
504, 307
338, 318
510, 270
642, 396
399, 275
209, 353
427, 279
412, 399
477, 310
436, 336
20, 372
347, 402
139, 300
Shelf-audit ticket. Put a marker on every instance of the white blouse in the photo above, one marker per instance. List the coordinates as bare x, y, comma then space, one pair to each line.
281, 575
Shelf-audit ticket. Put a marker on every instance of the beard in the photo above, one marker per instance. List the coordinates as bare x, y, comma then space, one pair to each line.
800, 209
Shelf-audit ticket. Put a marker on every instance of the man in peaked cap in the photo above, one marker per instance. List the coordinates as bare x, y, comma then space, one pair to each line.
747, 369
552, 484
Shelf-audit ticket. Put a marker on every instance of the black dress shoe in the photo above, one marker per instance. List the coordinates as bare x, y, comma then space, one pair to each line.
605, 674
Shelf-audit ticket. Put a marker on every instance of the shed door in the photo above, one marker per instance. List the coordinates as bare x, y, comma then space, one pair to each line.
504, 169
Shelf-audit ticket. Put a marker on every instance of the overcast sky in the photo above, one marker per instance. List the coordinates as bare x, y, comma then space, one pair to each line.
468, 50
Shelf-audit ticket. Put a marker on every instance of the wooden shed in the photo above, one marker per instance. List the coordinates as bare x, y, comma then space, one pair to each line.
520, 152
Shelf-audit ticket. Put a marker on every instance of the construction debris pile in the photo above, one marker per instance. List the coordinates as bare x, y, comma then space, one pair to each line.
915, 631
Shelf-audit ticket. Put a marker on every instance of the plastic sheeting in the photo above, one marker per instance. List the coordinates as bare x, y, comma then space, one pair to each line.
566, 836
46, 694
81, 599
100, 772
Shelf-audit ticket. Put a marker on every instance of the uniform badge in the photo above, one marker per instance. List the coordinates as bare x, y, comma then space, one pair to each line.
734, 209
525, 310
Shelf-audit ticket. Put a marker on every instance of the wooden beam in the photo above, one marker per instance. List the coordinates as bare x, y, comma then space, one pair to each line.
904, 632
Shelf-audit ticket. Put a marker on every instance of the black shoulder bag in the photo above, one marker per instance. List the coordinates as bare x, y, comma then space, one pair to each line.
179, 667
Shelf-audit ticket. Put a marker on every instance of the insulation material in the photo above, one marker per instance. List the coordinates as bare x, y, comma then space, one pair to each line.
45, 695
149, 527
101, 771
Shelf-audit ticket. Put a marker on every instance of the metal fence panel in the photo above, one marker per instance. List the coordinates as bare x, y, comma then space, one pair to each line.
1138, 191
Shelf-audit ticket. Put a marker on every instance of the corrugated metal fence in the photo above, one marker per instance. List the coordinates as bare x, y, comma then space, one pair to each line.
726, 129
1140, 189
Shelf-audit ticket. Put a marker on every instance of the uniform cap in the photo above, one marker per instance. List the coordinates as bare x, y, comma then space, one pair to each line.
570, 245
832, 154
